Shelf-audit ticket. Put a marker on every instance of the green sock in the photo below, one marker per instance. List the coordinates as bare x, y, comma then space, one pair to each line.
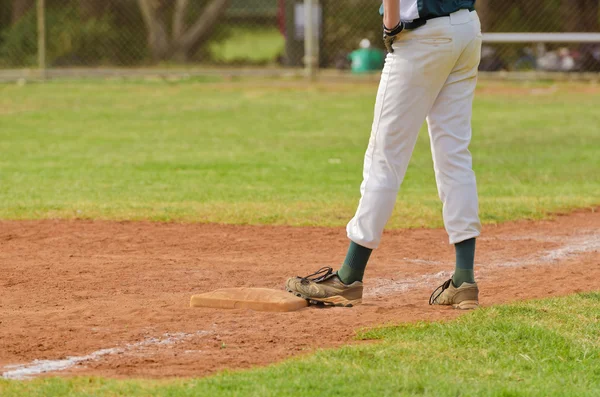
355, 263
465, 262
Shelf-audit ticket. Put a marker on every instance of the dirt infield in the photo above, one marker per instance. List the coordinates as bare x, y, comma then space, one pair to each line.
111, 299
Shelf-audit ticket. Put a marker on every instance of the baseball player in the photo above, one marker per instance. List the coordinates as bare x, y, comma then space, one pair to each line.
430, 73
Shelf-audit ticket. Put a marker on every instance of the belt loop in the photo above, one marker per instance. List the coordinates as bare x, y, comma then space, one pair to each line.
459, 17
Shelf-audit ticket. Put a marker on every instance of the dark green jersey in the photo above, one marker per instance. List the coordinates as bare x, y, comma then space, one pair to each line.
436, 8
427, 9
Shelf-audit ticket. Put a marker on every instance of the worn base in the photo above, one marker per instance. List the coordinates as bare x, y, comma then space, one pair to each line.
261, 299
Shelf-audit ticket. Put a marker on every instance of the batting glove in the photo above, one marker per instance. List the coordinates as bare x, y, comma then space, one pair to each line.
389, 35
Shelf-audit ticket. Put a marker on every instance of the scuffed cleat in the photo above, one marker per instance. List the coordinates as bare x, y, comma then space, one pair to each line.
325, 287
465, 297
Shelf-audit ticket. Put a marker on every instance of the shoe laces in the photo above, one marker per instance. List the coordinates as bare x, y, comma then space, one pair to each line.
441, 288
317, 276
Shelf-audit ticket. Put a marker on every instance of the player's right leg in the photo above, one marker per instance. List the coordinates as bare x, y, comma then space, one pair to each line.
411, 80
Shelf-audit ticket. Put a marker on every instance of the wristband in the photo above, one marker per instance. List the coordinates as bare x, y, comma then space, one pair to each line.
394, 31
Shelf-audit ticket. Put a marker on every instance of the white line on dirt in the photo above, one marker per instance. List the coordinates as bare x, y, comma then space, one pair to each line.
422, 261
575, 245
385, 287
37, 367
583, 245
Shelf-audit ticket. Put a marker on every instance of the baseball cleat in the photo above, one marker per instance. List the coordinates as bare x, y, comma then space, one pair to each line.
465, 297
324, 287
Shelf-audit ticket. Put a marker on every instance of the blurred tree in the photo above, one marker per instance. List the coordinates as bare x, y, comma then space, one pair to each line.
184, 40
93, 8
539, 15
20, 8
513, 15
580, 15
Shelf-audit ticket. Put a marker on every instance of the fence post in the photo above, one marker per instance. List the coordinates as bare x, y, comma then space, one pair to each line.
310, 33
41, 38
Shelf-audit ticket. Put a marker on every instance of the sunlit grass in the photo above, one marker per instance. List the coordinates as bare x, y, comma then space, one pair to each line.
273, 152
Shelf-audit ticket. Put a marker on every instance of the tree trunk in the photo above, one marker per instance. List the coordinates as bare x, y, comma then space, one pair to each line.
179, 19
20, 8
158, 37
580, 15
186, 44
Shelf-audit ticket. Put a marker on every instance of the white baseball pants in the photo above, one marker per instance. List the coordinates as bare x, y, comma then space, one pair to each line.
431, 75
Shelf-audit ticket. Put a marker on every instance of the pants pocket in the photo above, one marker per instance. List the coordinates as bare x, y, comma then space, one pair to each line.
435, 40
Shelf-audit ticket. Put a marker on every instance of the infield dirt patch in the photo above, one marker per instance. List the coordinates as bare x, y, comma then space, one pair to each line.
114, 296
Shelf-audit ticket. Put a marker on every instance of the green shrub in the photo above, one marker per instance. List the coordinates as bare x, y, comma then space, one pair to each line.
70, 40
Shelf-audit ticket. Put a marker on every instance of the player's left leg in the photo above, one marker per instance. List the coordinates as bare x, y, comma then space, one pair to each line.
449, 124
412, 77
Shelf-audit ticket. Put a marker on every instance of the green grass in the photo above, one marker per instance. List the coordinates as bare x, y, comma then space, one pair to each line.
539, 348
287, 153
258, 45
272, 153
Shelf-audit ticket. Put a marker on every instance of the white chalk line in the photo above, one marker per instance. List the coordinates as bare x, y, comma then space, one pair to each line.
422, 261
576, 245
386, 287
37, 367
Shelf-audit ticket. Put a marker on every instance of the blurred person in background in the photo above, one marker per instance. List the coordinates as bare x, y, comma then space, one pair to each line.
590, 58
366, 59
490, 60
527, 60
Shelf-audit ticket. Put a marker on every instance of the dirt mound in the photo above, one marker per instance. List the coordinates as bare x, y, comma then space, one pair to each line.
111, 298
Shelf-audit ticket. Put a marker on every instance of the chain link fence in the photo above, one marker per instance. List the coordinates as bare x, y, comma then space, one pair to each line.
268, 33
550, 16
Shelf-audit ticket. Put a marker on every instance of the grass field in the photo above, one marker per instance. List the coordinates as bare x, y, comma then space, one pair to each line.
539, 348
256, 45
274, 153
286, 153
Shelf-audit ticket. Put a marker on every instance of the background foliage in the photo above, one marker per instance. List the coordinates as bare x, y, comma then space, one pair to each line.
114, 32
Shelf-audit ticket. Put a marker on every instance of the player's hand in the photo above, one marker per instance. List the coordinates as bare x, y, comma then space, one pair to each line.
389, 35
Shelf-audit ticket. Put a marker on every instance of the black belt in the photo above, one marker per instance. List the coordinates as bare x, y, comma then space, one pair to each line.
417, 23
